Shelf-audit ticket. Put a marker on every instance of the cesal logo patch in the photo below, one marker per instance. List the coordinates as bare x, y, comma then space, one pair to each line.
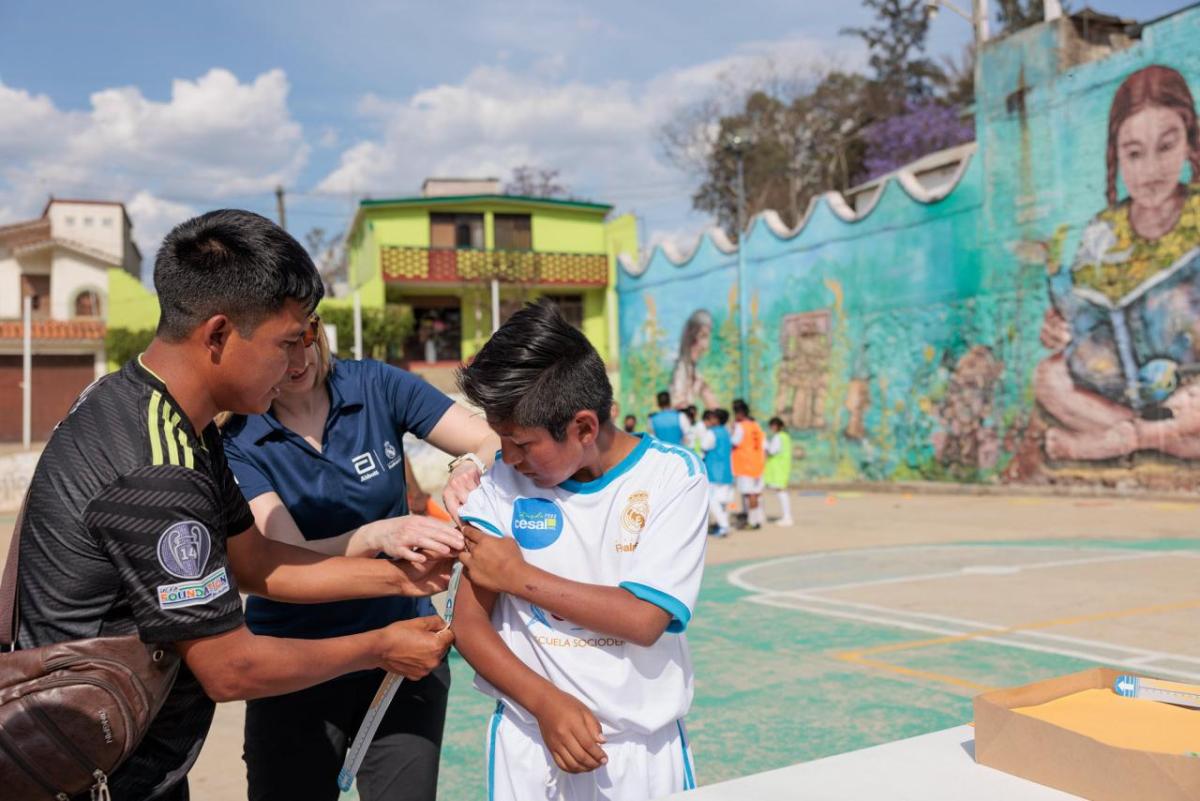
183, 549
536, 522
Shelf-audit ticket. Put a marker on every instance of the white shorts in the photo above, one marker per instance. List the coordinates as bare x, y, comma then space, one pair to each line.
639, 767
747, 485
720, 493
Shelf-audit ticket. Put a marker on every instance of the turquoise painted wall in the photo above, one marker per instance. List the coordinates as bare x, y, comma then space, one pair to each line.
905, 342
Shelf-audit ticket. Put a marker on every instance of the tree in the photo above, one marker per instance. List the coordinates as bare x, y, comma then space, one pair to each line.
804, 139
531, 181
896, 43
924, 127
1013, 15
329, 255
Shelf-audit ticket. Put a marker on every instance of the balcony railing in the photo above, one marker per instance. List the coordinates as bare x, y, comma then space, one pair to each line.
443, 265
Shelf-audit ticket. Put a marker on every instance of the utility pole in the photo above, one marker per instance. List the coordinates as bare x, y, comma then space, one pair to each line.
27, 371
279, 207
737, 143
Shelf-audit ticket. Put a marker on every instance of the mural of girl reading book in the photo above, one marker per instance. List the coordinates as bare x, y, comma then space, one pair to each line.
1124, 321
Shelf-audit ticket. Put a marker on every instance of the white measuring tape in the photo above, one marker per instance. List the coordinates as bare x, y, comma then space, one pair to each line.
383, 698
1171, 692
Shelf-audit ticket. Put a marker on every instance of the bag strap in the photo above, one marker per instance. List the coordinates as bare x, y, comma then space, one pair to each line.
8, 585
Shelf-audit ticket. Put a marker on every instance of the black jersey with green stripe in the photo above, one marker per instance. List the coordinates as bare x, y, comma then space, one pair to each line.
125, 531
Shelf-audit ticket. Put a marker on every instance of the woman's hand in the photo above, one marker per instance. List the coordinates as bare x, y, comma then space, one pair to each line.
1056, 332
412, 538
463, 480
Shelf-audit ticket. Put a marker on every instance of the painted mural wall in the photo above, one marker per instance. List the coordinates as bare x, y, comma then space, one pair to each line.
1037, 320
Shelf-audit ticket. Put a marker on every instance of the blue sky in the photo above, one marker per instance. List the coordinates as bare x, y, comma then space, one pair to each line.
175, 108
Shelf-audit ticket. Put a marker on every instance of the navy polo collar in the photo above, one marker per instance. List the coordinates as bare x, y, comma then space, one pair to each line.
344, 395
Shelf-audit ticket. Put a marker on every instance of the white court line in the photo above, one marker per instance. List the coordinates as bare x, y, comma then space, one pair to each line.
966, 624
1005, 640
737, 579
956, 573
876, 615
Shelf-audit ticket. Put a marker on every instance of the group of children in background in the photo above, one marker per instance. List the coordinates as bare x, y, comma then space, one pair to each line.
738, 456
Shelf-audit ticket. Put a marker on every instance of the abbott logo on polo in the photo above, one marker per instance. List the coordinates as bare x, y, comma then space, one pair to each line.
365, 466
536, 522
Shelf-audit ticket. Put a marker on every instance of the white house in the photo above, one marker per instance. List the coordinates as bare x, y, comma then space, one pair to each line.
62, 262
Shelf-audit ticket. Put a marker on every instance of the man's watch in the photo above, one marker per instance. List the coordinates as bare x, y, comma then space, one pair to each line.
467, 457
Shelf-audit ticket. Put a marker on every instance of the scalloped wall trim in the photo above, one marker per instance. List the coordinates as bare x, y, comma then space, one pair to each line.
905, 177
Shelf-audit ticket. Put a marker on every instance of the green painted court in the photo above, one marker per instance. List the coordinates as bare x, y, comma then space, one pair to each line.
808, 655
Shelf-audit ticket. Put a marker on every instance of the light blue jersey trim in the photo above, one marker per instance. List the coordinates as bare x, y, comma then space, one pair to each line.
497, 716
619, 469
480, 523
689, 779
680, 614
689, 457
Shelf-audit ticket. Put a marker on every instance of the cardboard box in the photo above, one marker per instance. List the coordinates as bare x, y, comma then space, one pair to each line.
1067, 760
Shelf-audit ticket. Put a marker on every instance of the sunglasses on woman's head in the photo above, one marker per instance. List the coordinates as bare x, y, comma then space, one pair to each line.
310, 334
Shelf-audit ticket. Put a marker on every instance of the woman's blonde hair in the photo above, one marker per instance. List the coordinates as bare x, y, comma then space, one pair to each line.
324, 366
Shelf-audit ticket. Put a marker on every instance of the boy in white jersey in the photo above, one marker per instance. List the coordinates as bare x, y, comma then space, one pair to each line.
585, 549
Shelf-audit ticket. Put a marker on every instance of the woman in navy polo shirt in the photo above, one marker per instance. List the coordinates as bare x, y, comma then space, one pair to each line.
324, 468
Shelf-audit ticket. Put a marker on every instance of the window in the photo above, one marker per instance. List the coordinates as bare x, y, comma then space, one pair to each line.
437, 329
87, 221
106, 222
70, 220
571, 307
513, 232
87, 304
38, 288
456, 231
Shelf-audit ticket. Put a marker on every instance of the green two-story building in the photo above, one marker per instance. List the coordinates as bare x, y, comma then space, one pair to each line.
463, 256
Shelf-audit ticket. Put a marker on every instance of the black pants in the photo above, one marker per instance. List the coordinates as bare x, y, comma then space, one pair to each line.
295, 743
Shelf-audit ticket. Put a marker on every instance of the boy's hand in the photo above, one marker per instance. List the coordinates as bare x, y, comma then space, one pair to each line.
494, 563
571, 733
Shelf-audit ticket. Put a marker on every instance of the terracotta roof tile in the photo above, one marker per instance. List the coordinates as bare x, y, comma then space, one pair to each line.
25, 233
54, 329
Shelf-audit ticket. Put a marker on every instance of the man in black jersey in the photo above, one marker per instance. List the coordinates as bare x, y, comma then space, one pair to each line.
134, 522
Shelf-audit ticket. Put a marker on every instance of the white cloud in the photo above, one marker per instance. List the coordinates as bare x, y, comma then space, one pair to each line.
601, 136
215, 137
154, 217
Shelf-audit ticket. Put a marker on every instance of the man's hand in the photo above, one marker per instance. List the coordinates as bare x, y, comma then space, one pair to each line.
412, 537
464, 479
571, 733
425, 578
415, 647
494, 563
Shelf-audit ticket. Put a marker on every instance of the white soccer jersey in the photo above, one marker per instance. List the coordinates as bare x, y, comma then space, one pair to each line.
641, 526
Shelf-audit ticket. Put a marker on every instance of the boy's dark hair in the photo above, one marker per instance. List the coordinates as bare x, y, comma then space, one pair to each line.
664, 400
722, 416
776, 421
230, 262
538, 371
711, 414
741, 407
629, 417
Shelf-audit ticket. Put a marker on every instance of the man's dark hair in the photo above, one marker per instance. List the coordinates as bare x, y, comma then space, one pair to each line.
664, 400
741, 407
722, 416
538, 371
711, 414
230, 262
776, 421
630, 417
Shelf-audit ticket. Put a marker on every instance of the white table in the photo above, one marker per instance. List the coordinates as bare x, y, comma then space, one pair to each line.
932, 767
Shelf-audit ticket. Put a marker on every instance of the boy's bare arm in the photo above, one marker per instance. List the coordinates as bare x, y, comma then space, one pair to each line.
496, 564
569, 730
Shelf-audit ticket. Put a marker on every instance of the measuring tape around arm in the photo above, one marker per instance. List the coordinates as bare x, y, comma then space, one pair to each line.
383, 698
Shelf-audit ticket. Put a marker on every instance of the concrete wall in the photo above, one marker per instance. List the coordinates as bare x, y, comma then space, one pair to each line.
904, 341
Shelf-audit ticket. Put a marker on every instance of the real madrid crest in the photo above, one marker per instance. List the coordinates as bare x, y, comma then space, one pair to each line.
633, 517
